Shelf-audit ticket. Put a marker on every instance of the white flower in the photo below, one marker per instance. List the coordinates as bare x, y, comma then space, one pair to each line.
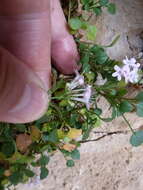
77, 81
131, 62
134, 77
84, 97
129, 71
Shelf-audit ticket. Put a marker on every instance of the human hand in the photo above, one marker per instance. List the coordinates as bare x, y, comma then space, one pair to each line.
30, 34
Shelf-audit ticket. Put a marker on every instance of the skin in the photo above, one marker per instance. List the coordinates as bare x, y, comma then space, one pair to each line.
31, 32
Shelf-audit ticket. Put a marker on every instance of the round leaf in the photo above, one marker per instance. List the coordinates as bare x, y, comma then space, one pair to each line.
111, 8
75, 154
75, 23
139, 97
140, 110
70, 163
137, 138
125, 106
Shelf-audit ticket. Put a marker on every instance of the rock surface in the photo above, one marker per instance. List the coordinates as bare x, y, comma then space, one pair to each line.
110, 163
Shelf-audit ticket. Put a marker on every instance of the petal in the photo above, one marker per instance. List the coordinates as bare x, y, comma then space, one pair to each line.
117, 68
115, 74
119, 77
132, 60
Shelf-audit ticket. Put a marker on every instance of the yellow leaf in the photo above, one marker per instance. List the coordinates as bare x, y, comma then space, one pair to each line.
61, 134
74, 133
69, 147
35, 133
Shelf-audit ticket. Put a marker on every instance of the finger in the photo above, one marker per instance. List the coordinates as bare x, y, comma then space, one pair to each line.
25, 33
64, 51
22, 94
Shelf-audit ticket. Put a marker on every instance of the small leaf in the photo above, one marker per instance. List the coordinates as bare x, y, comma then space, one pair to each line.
75, 154
35, 133
16, 177
44, 173
125, 106
139, 97
74, 133
23, 141
75, 23
70, 163
91, 32
44, 160
98, 111
137, 138
103, 2
7, 173
112, 8
8, 149
69, 147
20, 127
140, 109
97, 10
52, 137
29, 173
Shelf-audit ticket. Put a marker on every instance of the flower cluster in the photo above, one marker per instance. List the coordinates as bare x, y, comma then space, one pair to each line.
79, 91
129, 71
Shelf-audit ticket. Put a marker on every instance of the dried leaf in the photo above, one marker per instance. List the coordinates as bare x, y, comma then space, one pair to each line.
7, 173
23, 141
69, 147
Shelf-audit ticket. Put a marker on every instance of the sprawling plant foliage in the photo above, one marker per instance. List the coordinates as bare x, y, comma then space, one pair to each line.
74, 110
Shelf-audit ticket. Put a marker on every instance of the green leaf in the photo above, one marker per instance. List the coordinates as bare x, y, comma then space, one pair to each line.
103, 2
98, 111
86, 67
16, 177
137, 138
20, 127
85, 2
91, 32
52, 137
97, 10
100, 55
44, 160
140, 109
75, 23
70, 163
111, 8
75, 154
125, 106
29, 173
8, 149
85, 58
139, 97
44, 173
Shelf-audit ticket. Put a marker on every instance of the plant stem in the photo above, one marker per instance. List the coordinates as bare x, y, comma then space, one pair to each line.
128, 123
69, 13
